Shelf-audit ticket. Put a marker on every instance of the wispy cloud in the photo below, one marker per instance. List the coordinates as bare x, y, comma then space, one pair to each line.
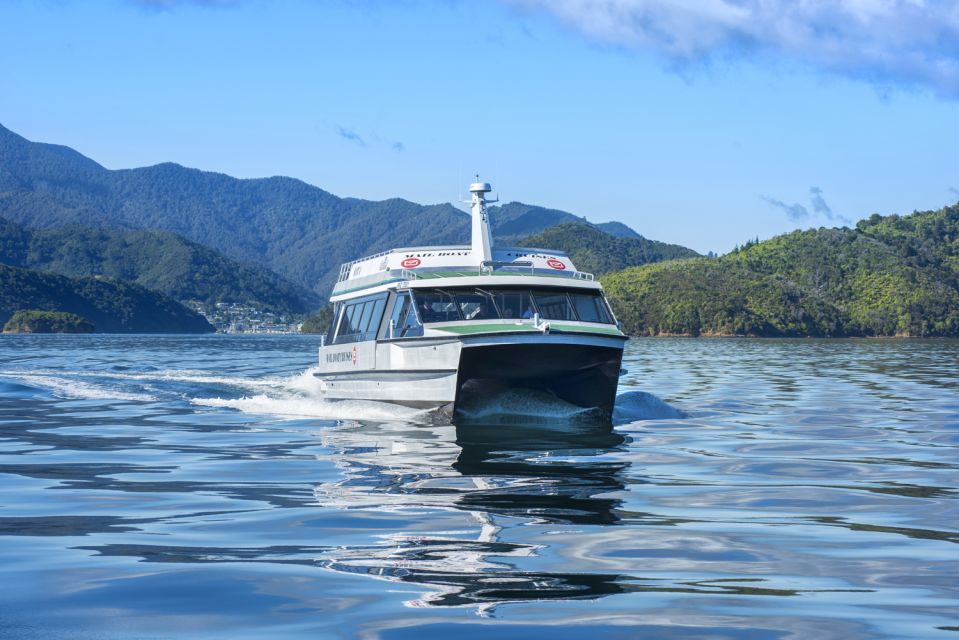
886, 42
352, 136
368, 140
819, 203
798, 212
794, 211
954, 191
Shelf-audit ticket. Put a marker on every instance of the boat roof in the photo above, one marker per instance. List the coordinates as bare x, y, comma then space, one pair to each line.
419, 263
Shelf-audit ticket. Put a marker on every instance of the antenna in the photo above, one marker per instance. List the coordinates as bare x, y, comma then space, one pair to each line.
482, 240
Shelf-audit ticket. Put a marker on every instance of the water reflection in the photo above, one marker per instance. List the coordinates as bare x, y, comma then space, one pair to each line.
473, 515
498, 475
546, 473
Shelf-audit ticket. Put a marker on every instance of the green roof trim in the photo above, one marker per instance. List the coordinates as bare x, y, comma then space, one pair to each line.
575, 328
378, 283
468, 329
465, 329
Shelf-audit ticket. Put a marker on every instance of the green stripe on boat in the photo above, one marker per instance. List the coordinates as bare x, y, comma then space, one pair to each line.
485, 328
464, 329
612, 331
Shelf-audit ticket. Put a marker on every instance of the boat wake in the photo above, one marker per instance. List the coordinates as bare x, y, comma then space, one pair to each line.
632, 406
521, 406
64, 385
299, 396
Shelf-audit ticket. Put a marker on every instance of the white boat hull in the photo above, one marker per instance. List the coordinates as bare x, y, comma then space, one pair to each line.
442, 372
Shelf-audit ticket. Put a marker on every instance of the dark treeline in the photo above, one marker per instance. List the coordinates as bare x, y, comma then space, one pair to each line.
112, 306
158, 260
32, 321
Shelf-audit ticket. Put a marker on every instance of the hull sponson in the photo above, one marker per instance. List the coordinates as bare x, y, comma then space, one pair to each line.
421, 389
583, 374
581, 369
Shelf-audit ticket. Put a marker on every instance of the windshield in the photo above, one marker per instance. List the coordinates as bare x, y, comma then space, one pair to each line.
454, 304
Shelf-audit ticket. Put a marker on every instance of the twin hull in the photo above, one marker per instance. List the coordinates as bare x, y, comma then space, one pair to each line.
440, 372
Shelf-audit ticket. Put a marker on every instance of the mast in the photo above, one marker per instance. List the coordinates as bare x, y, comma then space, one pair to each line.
482, 237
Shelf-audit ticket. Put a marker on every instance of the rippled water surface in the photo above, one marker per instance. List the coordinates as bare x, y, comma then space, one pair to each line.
174, 487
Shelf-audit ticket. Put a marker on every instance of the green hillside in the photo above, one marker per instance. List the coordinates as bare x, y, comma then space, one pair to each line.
599, 252
297, 230
618, 229
891, 276
158, 260
514, 221
111, 306
47, 322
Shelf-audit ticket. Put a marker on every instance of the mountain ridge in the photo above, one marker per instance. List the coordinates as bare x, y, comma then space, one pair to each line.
298, 230
159, 260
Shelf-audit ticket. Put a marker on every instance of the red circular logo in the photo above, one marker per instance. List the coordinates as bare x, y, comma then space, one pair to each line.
556, 264
409, 263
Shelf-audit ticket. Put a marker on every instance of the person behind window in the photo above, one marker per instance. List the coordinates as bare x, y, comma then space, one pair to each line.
529, 312
426, 311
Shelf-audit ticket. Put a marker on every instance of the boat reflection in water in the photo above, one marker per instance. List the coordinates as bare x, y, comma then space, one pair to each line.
496, 480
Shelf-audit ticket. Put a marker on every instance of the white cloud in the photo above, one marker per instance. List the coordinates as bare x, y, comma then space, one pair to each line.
912, 42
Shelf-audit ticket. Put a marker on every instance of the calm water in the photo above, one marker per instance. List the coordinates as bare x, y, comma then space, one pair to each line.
158, 487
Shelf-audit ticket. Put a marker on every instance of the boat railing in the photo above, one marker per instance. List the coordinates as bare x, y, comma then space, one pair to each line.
487, 266
346, 267
408, 274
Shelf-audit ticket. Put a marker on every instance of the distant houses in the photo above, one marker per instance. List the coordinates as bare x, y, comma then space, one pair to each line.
233, 317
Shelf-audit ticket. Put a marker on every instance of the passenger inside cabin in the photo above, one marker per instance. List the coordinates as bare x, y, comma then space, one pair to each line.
426, 311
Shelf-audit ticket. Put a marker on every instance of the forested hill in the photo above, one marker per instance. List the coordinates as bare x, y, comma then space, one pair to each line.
297, 230
599, 252
890, 276
159, 260
111, 306
514, 221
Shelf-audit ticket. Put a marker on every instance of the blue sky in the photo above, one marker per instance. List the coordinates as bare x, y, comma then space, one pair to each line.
703, 123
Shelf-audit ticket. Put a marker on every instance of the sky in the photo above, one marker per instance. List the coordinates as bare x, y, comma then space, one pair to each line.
700, 122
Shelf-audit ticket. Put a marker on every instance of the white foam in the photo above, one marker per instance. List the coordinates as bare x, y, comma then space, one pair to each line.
300, 396
304, 407
519, 404
639, 405
67, 388
169, 375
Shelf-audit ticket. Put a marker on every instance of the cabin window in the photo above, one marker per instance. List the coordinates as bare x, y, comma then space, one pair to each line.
450, 305
331, 332
435, 305
403, 318
475, 304
516, 304
553, 305
360, 319
590, 308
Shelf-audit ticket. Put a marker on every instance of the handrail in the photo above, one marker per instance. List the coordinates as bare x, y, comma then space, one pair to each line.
346, 267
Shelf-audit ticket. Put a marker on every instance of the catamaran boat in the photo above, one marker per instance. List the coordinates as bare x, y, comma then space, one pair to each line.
441, 327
